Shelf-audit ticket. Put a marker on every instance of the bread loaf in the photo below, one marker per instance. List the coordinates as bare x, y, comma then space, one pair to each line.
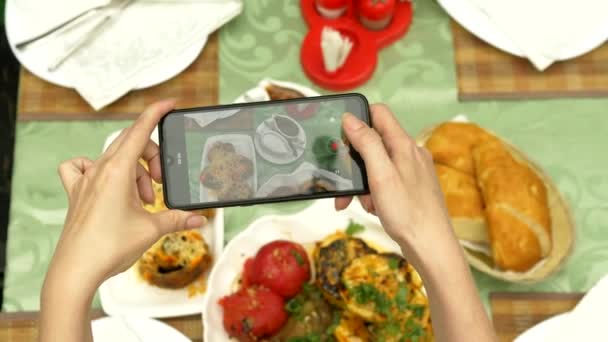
451, 145
464, 203
517, 209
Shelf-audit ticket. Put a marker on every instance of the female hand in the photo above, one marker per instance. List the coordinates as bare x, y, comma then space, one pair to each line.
106, 228
406, 196
404, 190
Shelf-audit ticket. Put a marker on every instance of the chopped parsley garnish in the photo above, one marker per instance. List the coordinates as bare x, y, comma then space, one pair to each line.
308, 338
413, 330
417, 310
393, 263
311, 290
401, 298
294, 306
366, 293
395, 330
354, 228
363, 293
335, 322
392, 328
298, 257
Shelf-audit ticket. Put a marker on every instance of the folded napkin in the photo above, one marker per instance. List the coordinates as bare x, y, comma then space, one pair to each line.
145, 36
587, 321
546, 30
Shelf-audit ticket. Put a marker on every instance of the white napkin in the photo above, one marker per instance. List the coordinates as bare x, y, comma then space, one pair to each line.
335, 48
546, 29
146, 35
204, 119
587, 321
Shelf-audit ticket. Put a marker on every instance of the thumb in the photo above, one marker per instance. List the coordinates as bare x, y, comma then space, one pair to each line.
174, 220
369, 144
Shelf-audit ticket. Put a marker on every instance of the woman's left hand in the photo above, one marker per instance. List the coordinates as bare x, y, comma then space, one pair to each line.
106, 228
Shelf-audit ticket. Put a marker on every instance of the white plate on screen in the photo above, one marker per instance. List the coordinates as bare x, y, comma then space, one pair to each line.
127, 294
38, 64
475, 21
306, 227
127, 329
263, 145
543, 330
304, 172
243, 145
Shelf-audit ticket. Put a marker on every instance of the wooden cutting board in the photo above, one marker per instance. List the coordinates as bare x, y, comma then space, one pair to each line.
513, 313
485, 73
195, 86
23, 326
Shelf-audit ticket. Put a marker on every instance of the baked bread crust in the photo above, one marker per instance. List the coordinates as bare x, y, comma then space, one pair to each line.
465, 203
452, 142
516, 208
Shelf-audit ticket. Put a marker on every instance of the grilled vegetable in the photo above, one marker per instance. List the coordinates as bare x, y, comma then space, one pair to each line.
351, 329
176, 260
375, 286
281, 266
253, 313
332, 256
309, 315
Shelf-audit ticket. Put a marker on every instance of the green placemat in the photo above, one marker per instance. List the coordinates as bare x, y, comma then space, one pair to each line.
415, 77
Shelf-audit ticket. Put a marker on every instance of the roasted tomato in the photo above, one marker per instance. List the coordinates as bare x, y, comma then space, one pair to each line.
253, 313
281, 266
248, 278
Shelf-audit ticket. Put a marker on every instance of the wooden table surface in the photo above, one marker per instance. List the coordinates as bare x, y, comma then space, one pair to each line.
485, 72
512, 314
23, 326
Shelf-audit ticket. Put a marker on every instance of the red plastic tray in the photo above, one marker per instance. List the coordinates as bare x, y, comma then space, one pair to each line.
361, 62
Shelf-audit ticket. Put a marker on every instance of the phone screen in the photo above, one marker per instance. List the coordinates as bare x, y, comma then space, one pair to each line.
261, 152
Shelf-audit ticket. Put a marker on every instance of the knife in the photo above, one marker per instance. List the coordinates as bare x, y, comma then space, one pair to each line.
111, 12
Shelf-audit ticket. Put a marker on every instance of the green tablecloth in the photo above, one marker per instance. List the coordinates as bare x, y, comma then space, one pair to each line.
415, 77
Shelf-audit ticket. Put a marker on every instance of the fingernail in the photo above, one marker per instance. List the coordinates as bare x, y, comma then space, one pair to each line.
351, 122
195, 221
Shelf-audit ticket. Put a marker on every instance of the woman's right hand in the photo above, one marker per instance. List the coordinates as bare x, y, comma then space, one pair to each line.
405, 195
404, 190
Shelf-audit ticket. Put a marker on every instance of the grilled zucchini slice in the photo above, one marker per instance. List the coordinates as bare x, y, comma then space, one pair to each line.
351, 329
331, 256
371, 286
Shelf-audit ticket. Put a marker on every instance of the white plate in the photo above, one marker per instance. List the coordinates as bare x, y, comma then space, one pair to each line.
307, 227
259, 93
475, 21
37, 64
286, 158
108, 329
304, 172
128, 294
543, 330
243, 145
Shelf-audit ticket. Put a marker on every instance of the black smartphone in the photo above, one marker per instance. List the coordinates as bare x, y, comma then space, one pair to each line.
261, 152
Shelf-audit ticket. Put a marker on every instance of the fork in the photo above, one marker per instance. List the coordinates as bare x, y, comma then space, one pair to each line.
111, 11
59, 26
